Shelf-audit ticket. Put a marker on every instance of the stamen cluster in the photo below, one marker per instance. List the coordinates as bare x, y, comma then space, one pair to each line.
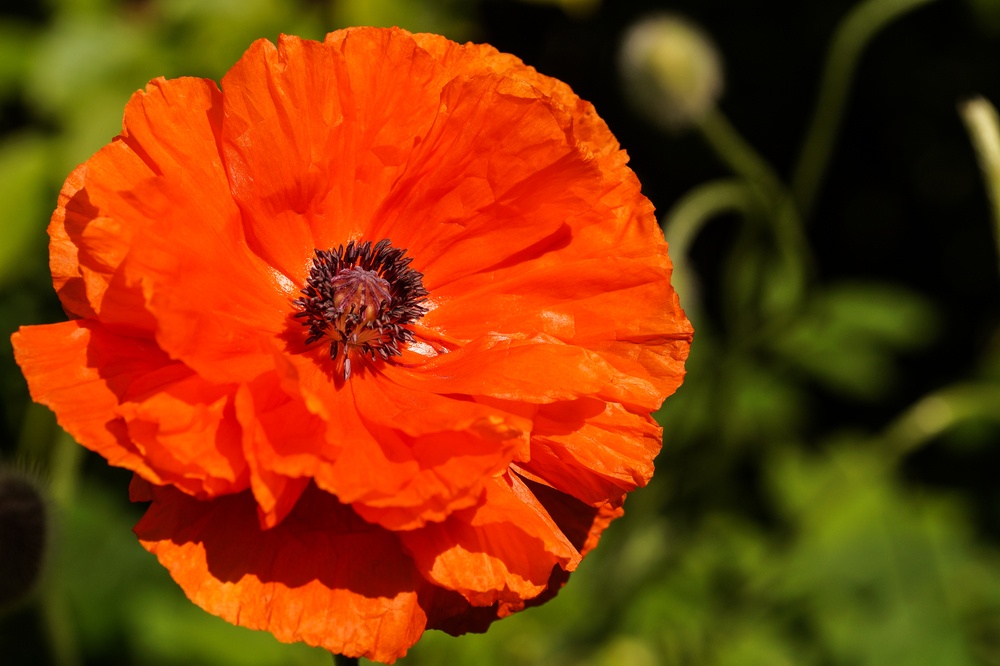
361, 297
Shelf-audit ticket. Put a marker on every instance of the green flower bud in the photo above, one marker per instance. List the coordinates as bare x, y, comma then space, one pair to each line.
671, 70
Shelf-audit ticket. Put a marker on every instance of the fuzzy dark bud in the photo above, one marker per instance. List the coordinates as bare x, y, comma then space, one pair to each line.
23, 536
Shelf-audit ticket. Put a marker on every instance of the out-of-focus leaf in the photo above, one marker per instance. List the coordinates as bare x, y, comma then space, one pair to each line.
764, 404
873, 565
987, 13
573, 7
87, 53
207, 38
450, 18
16, 43
848, 335
624, 650
85, 70
99, 563
24, 163
733, 393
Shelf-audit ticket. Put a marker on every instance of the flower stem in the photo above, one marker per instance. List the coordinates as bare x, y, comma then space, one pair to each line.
64, 469
341, 660
685, 220
849, 41
776, 203
739, 155
981, 121
940, 411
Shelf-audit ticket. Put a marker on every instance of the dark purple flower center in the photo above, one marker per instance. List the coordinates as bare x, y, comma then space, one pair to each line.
360, 297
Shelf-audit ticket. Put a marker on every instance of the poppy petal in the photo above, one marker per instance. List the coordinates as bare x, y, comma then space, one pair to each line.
472, 58
582, 524
284, 445
592, 450
594, 303
453, 444
322, 576
316, 134
487, 189
167, 128
503, 550
186, 429
538, 370
217, 307
123, 398
79, 370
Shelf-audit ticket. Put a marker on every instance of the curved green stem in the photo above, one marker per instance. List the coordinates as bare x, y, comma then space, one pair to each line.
685, 220
774, 198
981, 121
682, 224
857, 29
739, 155
940, 411
65, 462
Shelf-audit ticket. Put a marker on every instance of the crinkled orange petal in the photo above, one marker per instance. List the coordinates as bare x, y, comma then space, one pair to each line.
79, 370
316, 135
503, 550
101, 387
657, 337
143, 217
599, 303
218, 307
82, 270
167, 134
187, 430
403, 457
540, 369
322, 576
495, 175
340, 451
455, 445
582, 525
285, 445
592, 450
472, 58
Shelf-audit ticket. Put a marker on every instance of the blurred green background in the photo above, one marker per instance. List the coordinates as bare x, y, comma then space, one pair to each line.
827, 493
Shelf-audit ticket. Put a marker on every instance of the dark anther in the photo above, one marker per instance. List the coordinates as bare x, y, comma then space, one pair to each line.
360, 297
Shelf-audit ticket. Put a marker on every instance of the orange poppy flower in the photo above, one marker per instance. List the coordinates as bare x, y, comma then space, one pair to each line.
378, 327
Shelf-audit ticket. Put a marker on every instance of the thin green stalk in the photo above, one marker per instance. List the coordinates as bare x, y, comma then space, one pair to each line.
65, 462
739, 155
776, 202
858, 28
341, 660
64, 469
59, 624
685, 220
981, 121
941, 410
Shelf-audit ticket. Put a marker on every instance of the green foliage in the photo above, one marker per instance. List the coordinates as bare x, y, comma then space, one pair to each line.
847, 335
24, 170
450, 18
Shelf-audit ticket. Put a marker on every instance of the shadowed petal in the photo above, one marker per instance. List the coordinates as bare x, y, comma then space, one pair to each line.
503, 550
322, 575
